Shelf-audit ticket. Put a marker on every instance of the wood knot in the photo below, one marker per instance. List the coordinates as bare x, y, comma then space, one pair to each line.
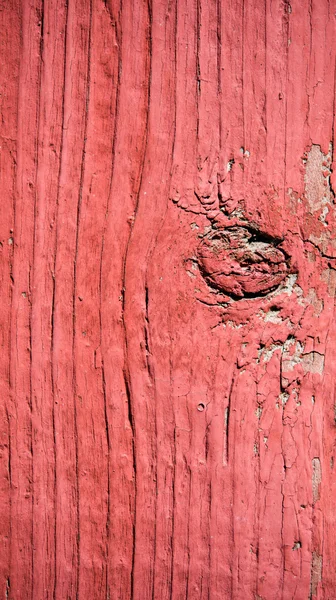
241, 262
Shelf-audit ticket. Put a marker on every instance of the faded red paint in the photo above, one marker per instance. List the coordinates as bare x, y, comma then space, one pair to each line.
168, 286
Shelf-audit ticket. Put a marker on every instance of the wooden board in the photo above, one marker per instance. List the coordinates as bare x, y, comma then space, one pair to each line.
168, 271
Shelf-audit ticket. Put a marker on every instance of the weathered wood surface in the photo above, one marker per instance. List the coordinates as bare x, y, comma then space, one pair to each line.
168, 272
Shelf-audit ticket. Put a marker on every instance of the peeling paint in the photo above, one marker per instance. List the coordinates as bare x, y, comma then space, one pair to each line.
316, 478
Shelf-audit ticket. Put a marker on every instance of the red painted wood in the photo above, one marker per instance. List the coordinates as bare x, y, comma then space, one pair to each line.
168, 260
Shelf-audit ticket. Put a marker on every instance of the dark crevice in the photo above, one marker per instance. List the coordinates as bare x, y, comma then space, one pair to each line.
123, 290
171, 579
206, 441
227, 422
323, 254
41, 25
54, 290
132, 425
118, 35
253, 229
247, 295
32, 285
75, 293
108, 9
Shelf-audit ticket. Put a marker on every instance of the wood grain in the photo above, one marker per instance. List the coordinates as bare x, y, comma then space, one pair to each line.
168, 259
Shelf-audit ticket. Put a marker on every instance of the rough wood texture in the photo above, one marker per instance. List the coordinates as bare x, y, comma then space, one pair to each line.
168, 270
